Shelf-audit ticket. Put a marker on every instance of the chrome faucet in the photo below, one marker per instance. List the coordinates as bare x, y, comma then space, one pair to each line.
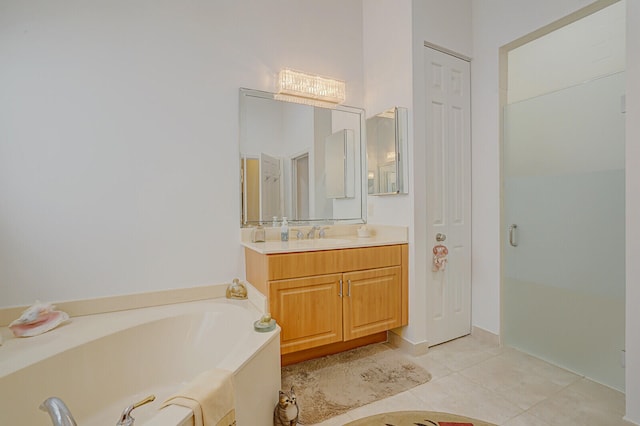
61, 416
58, 411
312, 232
321, 234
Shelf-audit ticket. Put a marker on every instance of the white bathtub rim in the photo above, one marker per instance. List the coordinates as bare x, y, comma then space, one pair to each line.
19, 353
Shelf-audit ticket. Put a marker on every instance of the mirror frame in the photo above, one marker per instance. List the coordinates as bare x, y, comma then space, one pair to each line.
246, 93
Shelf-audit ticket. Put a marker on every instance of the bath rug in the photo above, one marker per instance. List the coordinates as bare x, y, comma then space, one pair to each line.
418, 418
334, 384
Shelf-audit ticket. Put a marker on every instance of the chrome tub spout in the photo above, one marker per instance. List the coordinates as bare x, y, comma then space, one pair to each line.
58, 411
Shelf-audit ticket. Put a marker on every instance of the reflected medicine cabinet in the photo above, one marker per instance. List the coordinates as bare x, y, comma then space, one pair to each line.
339, 163
387, 152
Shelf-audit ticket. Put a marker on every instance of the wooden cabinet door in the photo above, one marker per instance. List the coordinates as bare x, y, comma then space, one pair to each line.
371, 302
309, 311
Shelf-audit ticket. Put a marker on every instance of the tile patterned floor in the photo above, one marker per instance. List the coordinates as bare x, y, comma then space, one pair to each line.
503, 386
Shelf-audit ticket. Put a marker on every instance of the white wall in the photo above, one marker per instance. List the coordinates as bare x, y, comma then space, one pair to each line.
633, 212
119, 142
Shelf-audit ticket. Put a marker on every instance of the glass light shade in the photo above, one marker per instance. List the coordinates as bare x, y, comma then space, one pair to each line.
310, 86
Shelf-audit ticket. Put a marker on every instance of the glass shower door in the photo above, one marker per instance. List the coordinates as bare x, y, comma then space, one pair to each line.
564, 220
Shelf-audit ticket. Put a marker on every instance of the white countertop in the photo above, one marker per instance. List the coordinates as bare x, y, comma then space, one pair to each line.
337, 237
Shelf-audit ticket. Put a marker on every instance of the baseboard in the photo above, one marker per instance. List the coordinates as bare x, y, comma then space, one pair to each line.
406, 346
626, 420
485, 335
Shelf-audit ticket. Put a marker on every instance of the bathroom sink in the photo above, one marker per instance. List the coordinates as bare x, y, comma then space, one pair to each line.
303, 245
322, 242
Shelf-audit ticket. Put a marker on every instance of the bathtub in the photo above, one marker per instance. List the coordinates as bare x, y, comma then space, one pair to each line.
99, 364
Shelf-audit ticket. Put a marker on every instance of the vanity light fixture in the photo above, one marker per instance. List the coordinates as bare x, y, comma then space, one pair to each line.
310, 89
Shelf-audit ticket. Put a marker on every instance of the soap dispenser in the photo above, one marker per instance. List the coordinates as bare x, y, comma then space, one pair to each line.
284, 230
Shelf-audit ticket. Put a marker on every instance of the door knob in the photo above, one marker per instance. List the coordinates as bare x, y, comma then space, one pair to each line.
440, 237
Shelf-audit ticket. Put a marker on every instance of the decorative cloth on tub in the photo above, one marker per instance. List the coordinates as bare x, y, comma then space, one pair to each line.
440, 253
210, 396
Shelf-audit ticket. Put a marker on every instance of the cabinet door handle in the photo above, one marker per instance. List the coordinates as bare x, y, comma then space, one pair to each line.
348, 288
340, 293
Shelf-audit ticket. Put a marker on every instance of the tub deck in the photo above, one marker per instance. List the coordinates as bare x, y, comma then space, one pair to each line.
98, 364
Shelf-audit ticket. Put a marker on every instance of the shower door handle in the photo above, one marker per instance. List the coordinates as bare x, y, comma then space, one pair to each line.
512, 235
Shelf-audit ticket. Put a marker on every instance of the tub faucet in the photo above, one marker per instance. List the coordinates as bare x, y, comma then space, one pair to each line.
58, 411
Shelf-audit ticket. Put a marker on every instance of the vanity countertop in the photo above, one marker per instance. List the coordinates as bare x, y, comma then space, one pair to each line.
338, 237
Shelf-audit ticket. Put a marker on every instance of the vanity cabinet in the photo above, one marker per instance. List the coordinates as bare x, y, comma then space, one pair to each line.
309, 311
328, 301
371, 302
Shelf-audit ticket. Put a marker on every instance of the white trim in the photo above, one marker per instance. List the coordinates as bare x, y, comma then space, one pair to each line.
406, 346
626, 419
485, 335
447, 51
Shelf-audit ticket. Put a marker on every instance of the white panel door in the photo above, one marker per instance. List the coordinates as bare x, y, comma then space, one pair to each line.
270, 187
448, 162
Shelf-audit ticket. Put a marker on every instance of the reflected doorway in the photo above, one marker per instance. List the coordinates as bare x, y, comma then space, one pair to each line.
300, 179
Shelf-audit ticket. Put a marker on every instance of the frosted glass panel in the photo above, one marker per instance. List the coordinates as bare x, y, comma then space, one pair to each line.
564, 189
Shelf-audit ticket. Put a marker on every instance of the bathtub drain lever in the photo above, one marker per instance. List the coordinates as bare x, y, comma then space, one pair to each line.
125, 418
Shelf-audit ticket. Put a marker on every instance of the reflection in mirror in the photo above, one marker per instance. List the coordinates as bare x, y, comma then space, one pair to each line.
338, 161
300, 161
387, 152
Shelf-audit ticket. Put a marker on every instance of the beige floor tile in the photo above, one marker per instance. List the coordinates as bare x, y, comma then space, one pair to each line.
435, 368
519, 378
570, 407
526, 419
469, 343
462, 353
476, 379
613, 399
557, 375
457, 394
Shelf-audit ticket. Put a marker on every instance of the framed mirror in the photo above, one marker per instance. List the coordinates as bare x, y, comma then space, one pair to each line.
300, 161
387, 134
